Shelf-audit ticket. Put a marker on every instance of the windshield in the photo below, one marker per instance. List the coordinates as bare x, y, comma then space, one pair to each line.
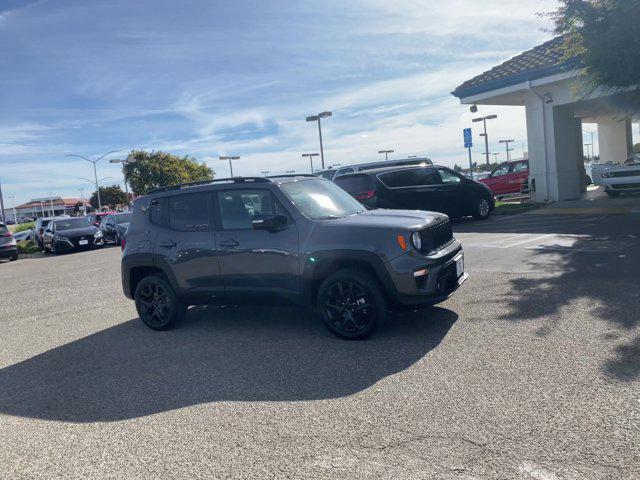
321, 199
122, 218
70, 224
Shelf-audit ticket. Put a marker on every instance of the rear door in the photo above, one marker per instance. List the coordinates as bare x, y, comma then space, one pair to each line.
256, 261
518, 175
184, 244
457, 194
417, 188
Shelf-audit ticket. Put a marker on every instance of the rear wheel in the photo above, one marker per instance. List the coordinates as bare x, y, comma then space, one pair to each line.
13, 258
483, 209
352, 304
157, 304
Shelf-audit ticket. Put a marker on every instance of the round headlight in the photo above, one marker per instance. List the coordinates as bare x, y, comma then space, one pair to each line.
415, 239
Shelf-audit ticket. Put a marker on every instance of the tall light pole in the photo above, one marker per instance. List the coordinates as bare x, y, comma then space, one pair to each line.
589, 145
124, 161
485, 135
53, 214
83, 206
592, 144
97, 182
95, 171
507, 142
230, 165
42, 208
310, 155
495, 157
386, 153
15, 217
314, 118
265, 173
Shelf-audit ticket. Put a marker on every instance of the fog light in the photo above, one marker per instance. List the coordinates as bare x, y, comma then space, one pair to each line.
421, 273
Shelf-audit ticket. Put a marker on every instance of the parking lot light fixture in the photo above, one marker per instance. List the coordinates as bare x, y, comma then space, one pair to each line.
230, 165
485, 135
95, 172
53, 214
317, 118
386, 153
507, 142
124, 161
310, 156
265, 173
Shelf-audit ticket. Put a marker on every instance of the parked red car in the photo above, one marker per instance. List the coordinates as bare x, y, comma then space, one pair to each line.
508, 178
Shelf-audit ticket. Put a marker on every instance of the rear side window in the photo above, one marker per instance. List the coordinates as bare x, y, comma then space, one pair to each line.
501, 170
521, 167
414, 177
355, 183
155, 211
189, 212
3, 230
238, 208
448, 177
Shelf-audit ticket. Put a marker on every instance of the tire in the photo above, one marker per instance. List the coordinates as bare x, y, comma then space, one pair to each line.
54, 249
482, 210
612, 193
157, 304
13, 258
117, 240
348, 317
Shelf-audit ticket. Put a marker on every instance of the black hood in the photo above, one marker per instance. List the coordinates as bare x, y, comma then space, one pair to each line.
87, 231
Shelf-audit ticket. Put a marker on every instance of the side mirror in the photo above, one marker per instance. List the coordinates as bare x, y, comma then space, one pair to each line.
269, 222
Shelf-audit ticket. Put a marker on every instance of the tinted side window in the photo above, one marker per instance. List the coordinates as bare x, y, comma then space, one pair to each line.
344, 171
448, 177
410, 178
501, 170
238, 208
189, 212
355, 183
155, 211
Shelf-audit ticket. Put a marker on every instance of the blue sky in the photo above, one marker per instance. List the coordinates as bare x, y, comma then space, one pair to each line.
210, 78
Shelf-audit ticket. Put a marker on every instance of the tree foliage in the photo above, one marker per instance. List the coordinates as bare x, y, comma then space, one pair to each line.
603, 34
159, 169
109, 197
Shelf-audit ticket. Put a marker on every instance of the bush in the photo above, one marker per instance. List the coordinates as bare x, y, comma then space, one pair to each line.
27, 247
21, 227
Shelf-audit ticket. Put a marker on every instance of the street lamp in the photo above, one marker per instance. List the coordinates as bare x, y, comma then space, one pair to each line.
83, 206
486, 137
289, 172
53, 214
386, 153
124, 161
97, 182
507, 142
589, 145
42, 208
15, 217
265, 173
230, 165
310, 155
592, 144
317, 118
95, 172
495, 157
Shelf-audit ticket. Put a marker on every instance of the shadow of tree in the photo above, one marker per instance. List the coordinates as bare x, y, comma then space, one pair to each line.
597, 258
218, 354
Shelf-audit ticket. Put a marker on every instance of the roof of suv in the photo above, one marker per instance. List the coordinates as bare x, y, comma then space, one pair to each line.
276, 179
376, 171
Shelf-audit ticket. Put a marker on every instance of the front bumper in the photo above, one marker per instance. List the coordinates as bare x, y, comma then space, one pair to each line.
74, 243
420, 280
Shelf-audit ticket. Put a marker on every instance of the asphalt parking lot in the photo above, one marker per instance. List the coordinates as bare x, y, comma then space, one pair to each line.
531, 371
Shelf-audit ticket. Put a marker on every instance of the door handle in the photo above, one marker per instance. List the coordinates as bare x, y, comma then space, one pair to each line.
168, 244
229, 243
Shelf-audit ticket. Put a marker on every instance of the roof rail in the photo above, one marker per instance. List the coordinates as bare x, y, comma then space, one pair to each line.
209, 182
292, 175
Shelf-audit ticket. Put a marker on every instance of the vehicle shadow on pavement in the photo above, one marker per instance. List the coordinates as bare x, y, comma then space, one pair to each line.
217, 354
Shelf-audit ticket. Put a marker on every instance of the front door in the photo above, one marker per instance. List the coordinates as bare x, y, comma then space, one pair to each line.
257, 261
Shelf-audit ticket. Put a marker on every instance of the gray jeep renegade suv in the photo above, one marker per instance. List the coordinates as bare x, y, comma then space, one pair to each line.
289, 238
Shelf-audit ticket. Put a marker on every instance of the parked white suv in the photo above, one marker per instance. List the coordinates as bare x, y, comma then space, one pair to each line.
618, 178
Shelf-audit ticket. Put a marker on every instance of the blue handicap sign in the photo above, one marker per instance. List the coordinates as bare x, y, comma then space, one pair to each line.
468, 138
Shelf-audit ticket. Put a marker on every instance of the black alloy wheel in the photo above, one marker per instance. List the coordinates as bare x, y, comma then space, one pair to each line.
351, 304
157, 304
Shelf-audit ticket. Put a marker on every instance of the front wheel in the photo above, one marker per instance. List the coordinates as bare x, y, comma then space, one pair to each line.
352, 304
612, 193
483, 209
157, 304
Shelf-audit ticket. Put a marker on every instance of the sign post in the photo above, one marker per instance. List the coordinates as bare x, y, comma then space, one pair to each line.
468, 144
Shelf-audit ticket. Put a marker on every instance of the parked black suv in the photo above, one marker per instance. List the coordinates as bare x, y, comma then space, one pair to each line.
298, 238
431, 187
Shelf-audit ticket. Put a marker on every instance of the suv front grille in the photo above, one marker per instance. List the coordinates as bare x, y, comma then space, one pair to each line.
625, 173
436, 237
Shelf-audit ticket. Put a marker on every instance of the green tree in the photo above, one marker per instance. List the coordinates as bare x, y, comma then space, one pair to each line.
636, 148
159, 169
109, 197
457, 168
603, 35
